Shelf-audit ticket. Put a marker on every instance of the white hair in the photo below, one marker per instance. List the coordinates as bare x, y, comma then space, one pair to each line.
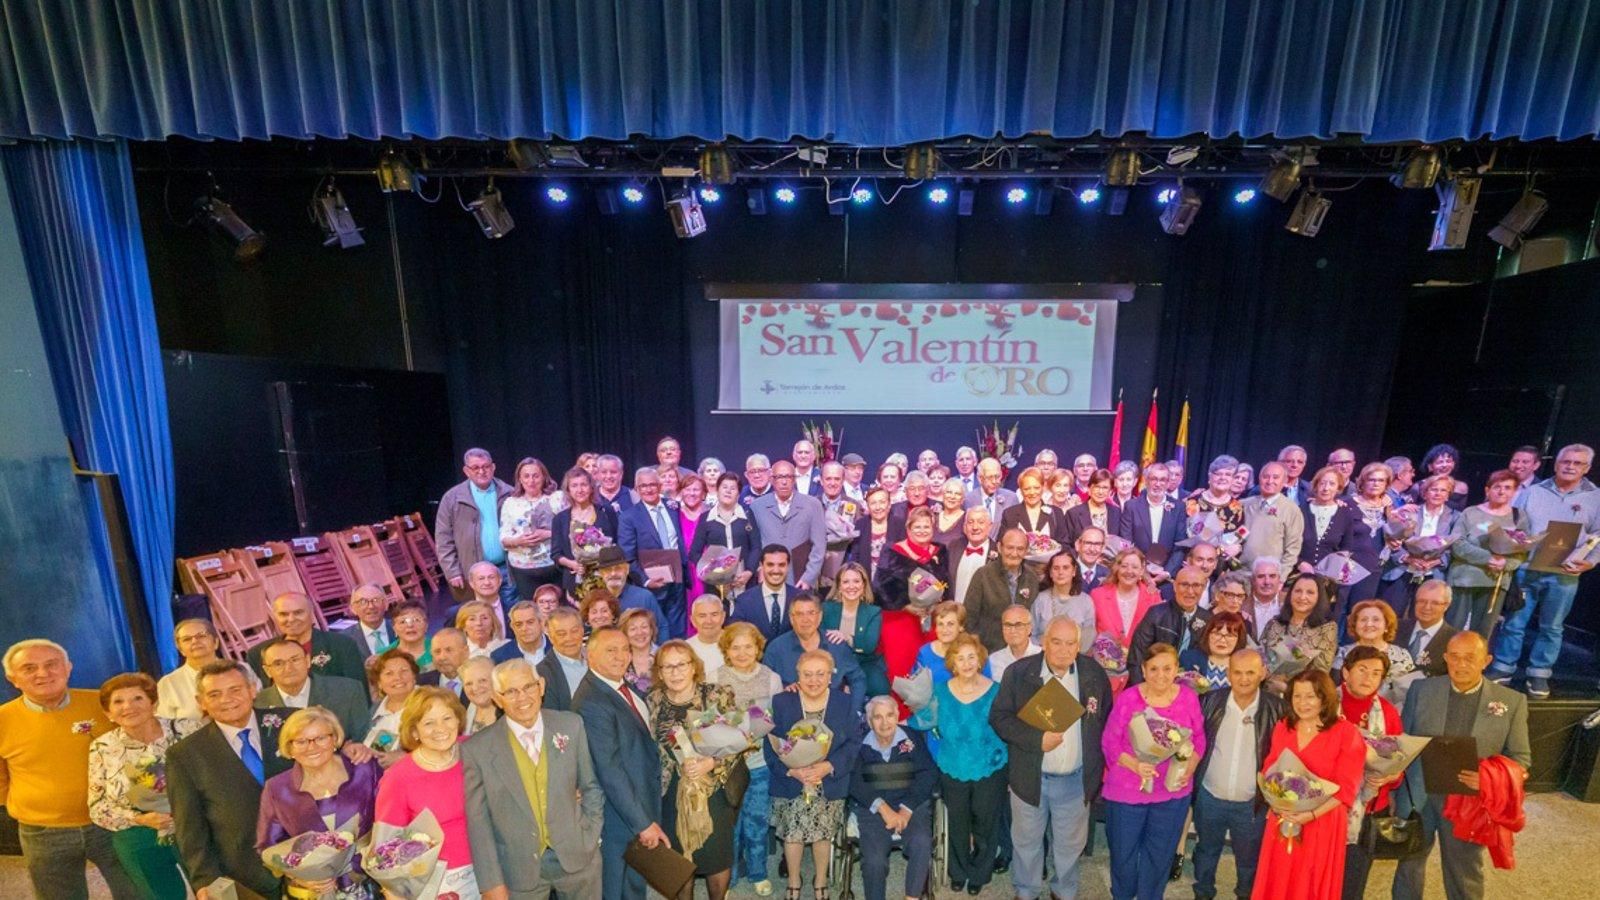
881, 700
965, 451
22, 646
475, 453
757, 460
1264, 562
515, 664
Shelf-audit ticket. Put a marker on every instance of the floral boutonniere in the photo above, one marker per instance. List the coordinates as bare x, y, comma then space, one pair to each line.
1272, 511
83, 726
272, 720
1091, 705
321, 659
1423, 659
560, 742
1024, 593
905, 746
1496, 708
1577, 507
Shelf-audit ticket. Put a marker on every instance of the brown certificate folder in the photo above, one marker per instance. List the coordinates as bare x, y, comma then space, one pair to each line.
665, 869
798, 557
671, 560
1445, 758
1560, 539
1051, 708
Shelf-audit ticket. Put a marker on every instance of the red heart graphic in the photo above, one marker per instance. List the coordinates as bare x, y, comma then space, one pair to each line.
905, 307
783, 307
948, 310
904, 321
846, 308
888, 312
1029, 309
1085, 320
768, 310
747, 320
1048, 311
866, 311
966, 307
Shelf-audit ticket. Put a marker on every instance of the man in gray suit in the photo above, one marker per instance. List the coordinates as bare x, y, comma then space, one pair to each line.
786, 516
294, 687
1463, 702
990, 495
503, 766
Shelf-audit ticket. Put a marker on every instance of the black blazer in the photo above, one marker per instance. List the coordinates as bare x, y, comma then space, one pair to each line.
1268, 712
751, 606
1435, 648
1078, 521
1135, 523
1341, 535
907, 779
860, 550
953, 553
739, 535
216, 801
338, 656
557, 695
1026, 758
561, 530
1054, 522
1162, 625
627, 759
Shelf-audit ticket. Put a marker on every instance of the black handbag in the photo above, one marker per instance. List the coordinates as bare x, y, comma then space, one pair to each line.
1392, 837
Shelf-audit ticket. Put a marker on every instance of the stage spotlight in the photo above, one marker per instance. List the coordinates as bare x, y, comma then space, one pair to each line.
394, 173
557, 194
1282, 181
709, 194
1167, 195
1306, 219
1122, 168
784, 195
1016, 195
1090, 194
716, 165
922, 162
1519, 221
633, 194
1458, 201
938, 195
526, 155
861, 195
329, 211
247, 242
1421, 169
1244, 195
490, 211
1181, 211
688, 219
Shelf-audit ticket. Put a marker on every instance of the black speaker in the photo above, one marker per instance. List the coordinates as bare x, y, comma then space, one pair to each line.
332, 451
1583, 775
1554, 728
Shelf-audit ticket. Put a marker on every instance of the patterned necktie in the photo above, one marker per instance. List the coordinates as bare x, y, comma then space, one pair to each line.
772, 608
249, 756
668, 540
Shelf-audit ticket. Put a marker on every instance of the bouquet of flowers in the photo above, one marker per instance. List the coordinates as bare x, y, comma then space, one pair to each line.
1000, 446
1291, 788
405, 861
1157, 739
1342, 568
1287, 658
841, 528
586, 544
822, 438
1389, 754
1041, 547
805, 743
1510, 541
1420, 549
718, 565
924, 589
147, 784
721, 733
1109, 653
1401, 523
315, 855
1115, 545
915, 690
1195, 681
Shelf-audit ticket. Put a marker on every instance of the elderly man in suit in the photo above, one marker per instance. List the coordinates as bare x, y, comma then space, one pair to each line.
1423, 631
369, 607
214, 779
1152, 520
564, 667
795, 520
1274, 522
1090, 548
626, 759
1053, 775
1295, 488
294, 687
783, 652
991, 496
1177, 622
329, 653
651, 527
765, 604
968, 553
1227, 803
1464, 703
467, 527
535, 807
1001, 582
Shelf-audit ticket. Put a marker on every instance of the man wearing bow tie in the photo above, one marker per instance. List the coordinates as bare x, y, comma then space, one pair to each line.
967, 554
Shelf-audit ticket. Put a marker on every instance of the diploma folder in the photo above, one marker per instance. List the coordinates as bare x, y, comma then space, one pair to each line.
1445, 758
1560, 540
664, 869
662, 562
1051, 708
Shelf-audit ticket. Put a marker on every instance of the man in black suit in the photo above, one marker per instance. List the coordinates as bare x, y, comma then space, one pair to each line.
329, 654
1090, 548
527, 635
1153, 521
1227, 804
766, 604
1177, 622
214, 779
1424, 631
626, 760
369, 607
965, 555
1054, 775
1203, 556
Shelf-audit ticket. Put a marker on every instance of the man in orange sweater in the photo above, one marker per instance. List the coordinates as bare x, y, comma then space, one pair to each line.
44, 774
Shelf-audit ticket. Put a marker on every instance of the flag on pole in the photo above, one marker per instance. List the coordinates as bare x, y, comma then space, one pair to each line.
1147, 450
1116, 435
1183, 434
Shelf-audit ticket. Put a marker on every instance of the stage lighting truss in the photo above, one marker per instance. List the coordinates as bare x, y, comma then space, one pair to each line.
332, 215
1122, 168
922, 162
221, 219
1421, 169
716, 165
490, 212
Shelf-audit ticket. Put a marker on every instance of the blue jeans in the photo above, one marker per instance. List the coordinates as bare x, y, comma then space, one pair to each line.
1143, 839
1549, 596
1215, 820
750, 831
1063, 813
56, 857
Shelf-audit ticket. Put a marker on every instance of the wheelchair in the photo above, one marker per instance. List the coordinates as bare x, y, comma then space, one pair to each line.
847, 855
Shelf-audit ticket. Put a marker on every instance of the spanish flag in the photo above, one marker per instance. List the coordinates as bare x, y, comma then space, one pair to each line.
1116, 435
1183, 434
1147, 451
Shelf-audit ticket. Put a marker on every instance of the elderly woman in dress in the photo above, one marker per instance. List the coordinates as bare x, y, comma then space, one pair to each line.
1364, 671
808, 801
138, 836
753, 684
891, 793
429, 775
321, 792
392, 675
1434, 518
1306, 622
1124, 483
1479, 577
950, 513
725, 523
477, 620
477, 683
1373, 624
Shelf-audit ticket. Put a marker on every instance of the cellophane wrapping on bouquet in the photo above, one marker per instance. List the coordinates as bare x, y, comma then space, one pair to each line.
804, 744
315, 855
718, 565
405, 861
1155, 740
1290, 787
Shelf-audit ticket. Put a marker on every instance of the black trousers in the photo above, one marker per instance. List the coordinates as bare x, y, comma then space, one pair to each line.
973, 809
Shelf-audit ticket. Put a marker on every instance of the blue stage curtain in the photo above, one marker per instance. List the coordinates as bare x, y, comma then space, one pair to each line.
79, 229
854, 71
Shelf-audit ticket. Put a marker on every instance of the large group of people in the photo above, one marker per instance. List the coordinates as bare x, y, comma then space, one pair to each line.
545, 724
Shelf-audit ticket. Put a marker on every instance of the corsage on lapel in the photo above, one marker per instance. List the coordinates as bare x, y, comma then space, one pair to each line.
1091, 706
321, 659
560, 741
271, 720
83, 726
905, 746
1496, 708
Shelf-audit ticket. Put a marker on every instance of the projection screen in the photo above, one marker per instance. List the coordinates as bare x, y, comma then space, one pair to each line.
917, 348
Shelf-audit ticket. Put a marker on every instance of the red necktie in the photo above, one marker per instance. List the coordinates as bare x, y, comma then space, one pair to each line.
628, 696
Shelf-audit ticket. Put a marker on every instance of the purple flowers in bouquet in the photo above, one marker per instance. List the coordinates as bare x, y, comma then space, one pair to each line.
1389, 754
924, 589
586, 544
805, 744
1157, 739
841, 530
1287, 658
1289, 787
405, 861
147, 784
1041, 547
315, 855
1110, 654
718, 733
1195, 681
718, 565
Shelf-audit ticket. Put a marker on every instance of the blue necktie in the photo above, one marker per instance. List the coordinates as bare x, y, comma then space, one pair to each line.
1183, 639
248, 754
664, 530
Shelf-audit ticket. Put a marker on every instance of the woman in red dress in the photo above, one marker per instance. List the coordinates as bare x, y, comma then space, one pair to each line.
1312, 866
901, 635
